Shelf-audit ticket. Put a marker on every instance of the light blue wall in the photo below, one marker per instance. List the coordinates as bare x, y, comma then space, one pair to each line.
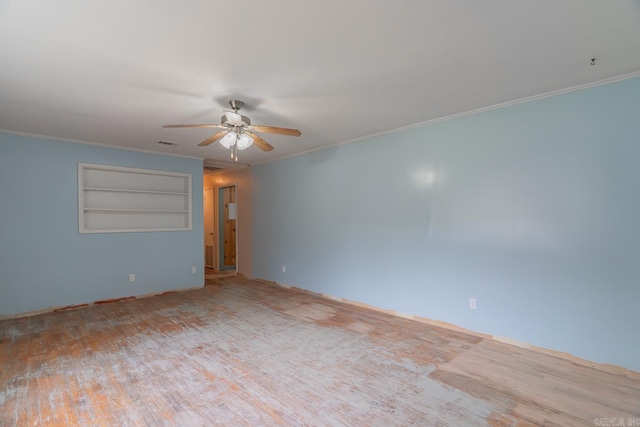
533, 209
45, 262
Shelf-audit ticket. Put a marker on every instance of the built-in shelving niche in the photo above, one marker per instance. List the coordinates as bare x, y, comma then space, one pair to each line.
117, 199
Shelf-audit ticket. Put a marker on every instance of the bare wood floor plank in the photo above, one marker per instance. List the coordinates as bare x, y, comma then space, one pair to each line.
243, 352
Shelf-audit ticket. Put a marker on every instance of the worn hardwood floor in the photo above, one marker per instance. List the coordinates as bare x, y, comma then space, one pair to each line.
242, 352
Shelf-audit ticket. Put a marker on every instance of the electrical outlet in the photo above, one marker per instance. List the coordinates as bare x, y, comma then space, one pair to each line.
132, 277
284, 269
193, 269
472, 303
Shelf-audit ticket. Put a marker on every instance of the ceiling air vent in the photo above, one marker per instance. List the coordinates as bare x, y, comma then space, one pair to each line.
167, 143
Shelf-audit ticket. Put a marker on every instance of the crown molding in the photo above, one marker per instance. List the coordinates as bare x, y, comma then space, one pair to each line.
98, 144
526, 99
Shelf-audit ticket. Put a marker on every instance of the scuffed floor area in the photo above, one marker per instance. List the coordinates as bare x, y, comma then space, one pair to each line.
244, 352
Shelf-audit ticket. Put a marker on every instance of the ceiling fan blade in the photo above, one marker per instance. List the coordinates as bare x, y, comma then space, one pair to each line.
260, 143
194, 126
281, 131
213, 138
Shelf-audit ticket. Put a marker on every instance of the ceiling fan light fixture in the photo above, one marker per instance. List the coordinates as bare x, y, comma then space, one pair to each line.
244, 141
229, 140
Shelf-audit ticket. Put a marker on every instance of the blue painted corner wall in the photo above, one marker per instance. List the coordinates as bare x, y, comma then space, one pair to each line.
533, 209
45, 262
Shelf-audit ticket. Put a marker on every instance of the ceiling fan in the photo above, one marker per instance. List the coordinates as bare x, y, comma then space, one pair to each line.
238, 133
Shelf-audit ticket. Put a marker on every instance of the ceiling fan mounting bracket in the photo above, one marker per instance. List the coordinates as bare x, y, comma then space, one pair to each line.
236, 105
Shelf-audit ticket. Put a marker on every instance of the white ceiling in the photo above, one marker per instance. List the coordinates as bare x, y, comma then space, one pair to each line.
114, 72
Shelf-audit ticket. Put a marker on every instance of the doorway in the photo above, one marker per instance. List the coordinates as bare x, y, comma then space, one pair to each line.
209, 228
227, 232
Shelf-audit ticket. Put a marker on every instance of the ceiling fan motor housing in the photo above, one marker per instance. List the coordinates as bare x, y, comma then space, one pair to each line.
225, 121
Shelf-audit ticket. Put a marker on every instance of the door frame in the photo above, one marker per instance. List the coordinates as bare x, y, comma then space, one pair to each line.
218, 225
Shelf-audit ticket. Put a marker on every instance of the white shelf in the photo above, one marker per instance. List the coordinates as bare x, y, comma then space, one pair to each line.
134, 210
122, 190
116, 199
